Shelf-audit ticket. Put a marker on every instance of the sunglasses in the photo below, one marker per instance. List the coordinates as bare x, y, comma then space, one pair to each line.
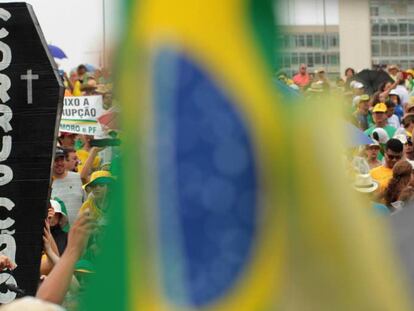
393, 157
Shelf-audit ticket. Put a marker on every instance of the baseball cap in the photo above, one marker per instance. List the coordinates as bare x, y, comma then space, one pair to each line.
363, 97
394, 92
59, 152
380, 107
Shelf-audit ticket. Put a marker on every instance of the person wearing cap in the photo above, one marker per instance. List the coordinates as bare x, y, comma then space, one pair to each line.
380, 120
395, 98
302, 78
409, 108
408, 124
97, 202
365, 185
409, 81
392, 118
393, 153
409, 150
371, 154
57, 222
393, 72
360, 116
67, 186
321, 78
400, 89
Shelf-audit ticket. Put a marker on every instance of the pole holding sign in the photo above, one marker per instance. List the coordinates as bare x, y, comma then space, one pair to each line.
31, 95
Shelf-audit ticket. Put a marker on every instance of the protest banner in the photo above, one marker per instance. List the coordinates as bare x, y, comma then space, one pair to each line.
31, 95
80, 114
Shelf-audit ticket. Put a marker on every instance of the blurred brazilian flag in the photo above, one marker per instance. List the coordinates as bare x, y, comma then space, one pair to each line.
229, 198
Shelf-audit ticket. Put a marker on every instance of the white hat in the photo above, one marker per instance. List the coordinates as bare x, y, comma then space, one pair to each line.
365, 184
393, 92
356, 85
57, 207
402, 138
382, 135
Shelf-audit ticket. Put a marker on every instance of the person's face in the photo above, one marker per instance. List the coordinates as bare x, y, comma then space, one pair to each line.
391, 158
349, 73
321, 75
81, 72
372, 152
71, 162
302, 69
364, 106
99, 191
59, 166
107, 100
68, 140
393, 71
409, 150
394, 99
379, 118
54, 220
390, 111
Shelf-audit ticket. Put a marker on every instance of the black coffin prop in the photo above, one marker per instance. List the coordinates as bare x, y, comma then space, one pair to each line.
31, 95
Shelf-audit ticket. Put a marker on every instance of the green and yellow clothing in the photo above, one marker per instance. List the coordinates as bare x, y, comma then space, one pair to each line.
83, 156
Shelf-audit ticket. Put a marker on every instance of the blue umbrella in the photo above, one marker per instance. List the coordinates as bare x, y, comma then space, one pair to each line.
56, 51
356, 136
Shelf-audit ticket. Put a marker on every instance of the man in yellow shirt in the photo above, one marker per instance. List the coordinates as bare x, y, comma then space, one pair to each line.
382, 174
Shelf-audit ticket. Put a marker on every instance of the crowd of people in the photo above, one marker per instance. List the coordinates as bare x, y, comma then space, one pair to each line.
381, 170
82, 180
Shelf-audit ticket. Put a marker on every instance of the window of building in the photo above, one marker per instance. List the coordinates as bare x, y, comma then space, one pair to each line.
375, 29
394, 48
374, 11
333, 59
411, 47
375, 47
393, 29
295, 59
286, 42
333, 40
302, 58
403, 28
286, 60
318, 58
301, 41
317, 41
403, 47
411, 28
309, 40
384, 30
310, 59
385, 48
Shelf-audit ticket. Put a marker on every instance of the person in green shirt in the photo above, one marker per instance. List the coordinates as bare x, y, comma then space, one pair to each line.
381, 120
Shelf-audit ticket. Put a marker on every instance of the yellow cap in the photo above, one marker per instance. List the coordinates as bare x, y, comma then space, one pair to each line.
99, 176
380, 107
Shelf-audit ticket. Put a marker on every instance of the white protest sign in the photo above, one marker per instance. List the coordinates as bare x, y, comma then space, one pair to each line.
80, 114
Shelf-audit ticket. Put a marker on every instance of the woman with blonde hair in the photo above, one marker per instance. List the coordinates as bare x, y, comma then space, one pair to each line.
401, 177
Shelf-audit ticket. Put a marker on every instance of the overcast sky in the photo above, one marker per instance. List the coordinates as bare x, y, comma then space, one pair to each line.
76, 26
306, 12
